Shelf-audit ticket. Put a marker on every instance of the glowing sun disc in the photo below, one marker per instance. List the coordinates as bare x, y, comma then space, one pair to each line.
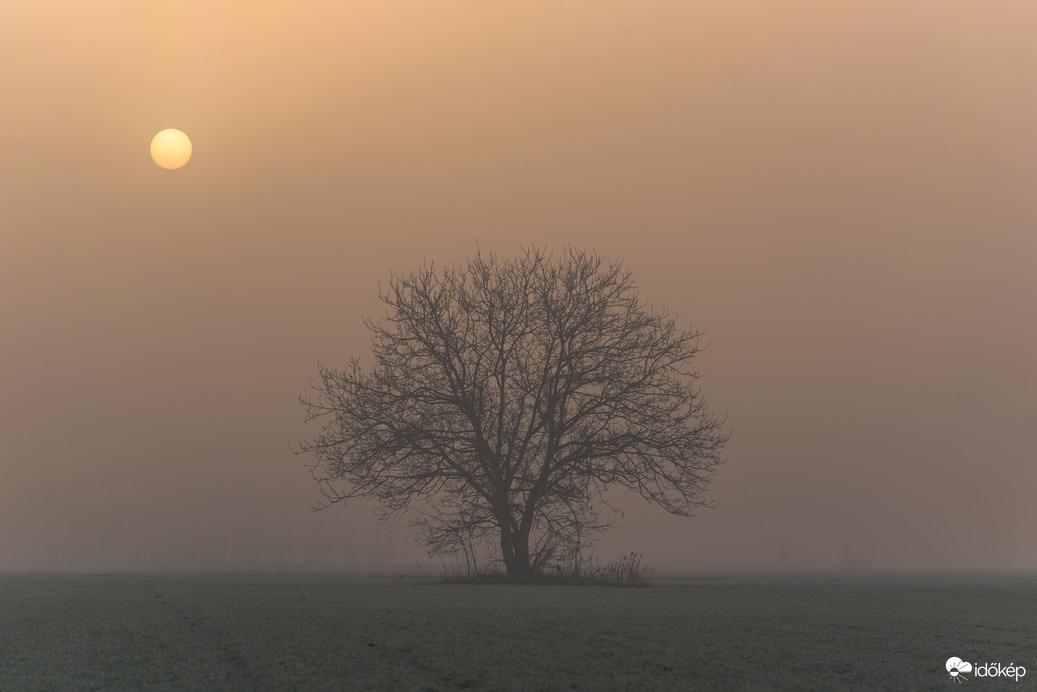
171, 148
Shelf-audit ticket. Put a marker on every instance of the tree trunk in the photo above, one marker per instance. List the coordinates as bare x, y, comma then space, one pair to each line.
515, 551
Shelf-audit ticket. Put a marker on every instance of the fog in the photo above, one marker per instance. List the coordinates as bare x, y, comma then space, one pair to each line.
840, 194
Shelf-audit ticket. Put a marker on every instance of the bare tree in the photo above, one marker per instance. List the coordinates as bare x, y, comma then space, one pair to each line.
505, 397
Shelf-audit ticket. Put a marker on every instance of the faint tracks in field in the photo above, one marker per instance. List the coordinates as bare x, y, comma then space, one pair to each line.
230, 665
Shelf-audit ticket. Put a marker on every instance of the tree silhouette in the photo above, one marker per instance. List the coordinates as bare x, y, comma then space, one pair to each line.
505, 397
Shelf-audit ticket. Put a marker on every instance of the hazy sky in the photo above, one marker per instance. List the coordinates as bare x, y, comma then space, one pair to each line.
842, 194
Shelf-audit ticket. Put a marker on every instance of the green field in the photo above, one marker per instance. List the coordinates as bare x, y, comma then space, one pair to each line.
111, 632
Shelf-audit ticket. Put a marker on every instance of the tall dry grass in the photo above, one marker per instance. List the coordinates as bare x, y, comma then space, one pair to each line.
629, 570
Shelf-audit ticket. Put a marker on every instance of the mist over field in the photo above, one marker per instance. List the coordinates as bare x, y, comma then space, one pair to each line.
840, 194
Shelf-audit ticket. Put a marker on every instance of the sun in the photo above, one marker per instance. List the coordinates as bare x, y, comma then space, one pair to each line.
171, 148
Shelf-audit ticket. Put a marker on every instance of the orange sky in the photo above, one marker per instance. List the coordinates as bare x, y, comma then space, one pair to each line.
840, 194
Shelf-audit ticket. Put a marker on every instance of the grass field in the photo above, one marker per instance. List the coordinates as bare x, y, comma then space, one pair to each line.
112, 632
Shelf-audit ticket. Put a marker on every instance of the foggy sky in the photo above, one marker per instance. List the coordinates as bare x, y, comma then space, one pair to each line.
842, 194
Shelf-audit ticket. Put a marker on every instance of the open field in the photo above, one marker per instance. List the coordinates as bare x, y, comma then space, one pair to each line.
109, 632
